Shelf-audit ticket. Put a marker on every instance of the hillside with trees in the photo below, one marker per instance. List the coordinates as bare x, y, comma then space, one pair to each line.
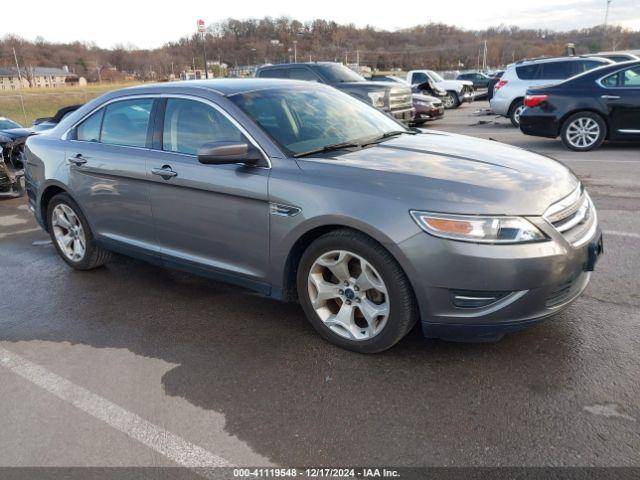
269, 40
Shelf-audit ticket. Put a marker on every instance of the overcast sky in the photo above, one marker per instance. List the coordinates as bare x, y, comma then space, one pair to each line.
150, 24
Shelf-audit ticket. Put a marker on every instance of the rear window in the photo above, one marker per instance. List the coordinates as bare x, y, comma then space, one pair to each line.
273, 73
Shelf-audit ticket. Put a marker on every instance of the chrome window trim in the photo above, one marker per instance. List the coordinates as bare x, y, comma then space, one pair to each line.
599, 80
154, 96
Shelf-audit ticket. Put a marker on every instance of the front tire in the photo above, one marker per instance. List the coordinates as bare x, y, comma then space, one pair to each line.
354, 293
451, 101
71, 235
583, 131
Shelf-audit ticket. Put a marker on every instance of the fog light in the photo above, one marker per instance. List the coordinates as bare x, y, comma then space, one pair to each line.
475, 299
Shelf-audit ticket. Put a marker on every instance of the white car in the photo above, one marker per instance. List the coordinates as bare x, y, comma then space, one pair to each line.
458, 91
509, 92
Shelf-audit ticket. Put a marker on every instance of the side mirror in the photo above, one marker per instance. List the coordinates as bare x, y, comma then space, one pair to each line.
225, 153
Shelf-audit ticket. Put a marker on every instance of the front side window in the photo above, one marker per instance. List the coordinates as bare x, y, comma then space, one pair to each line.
189, 124
625, 79
304, 119
126, 123
89, 130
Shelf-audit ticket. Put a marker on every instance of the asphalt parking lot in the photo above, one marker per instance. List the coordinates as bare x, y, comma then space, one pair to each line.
139, 366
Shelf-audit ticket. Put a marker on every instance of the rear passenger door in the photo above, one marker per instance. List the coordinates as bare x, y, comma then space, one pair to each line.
107, 153
210, 219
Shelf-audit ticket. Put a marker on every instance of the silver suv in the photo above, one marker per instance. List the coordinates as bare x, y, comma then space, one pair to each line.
509, 92
302, 192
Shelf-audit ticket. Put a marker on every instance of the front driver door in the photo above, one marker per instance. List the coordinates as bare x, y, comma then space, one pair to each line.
622, 97
210, 219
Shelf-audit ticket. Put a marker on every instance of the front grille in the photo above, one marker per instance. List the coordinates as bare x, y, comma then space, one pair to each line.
400, 98
573, 216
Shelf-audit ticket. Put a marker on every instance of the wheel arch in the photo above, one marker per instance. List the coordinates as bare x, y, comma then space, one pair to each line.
513, 104
605, 118
305, 238
49, 191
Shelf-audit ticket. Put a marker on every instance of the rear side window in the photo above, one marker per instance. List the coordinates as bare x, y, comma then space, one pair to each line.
302, 74
528, 72
127, 122
273, 73
189, 124
89, 130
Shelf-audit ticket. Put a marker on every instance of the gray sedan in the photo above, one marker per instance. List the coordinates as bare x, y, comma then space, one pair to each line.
303, 193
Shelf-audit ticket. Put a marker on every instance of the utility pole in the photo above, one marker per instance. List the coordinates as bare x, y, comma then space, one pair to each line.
358, 58
604, 26
202, 31
484, 58
24, 112
295, 51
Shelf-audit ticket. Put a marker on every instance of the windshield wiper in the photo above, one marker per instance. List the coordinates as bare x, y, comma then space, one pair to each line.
392, 133
329, 148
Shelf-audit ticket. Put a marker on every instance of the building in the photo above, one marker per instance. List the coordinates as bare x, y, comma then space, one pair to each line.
37, 77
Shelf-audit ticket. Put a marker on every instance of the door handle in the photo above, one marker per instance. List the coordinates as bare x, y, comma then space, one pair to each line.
165, 172
78, 160
610, 97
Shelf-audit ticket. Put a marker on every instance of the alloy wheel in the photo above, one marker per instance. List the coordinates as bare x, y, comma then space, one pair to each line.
348, 295
68, 232
448, 101
583, 132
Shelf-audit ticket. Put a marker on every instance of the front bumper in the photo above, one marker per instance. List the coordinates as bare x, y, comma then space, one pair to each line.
424, 114
531, 281
404, 115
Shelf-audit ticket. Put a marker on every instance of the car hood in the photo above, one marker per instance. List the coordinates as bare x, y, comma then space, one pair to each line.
444, 172
15, 133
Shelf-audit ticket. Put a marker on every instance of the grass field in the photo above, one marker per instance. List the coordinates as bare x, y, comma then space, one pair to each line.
45, 102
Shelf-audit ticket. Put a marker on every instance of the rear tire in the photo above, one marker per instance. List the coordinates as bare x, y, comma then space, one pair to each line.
583, 131
369, 310
71, 235
515, 111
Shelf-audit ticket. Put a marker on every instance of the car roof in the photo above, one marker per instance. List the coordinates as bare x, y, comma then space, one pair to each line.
529, 61
295, 64
222, 86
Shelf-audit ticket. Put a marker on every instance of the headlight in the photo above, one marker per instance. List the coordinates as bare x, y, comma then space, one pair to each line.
424, 104
377, 99
478, 229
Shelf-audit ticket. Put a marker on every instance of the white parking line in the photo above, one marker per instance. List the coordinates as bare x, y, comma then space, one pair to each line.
20, 232
622, 234
162, 441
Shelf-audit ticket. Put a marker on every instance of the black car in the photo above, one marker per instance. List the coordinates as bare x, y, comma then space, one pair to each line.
12, 140
47, 123
598, 105
394, 99
479, 79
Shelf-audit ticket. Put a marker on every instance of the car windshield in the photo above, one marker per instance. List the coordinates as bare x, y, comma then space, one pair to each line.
339, 73
304, 120
434, 76
6, 124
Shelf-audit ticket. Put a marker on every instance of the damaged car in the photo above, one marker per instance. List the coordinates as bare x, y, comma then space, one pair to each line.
12, 159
